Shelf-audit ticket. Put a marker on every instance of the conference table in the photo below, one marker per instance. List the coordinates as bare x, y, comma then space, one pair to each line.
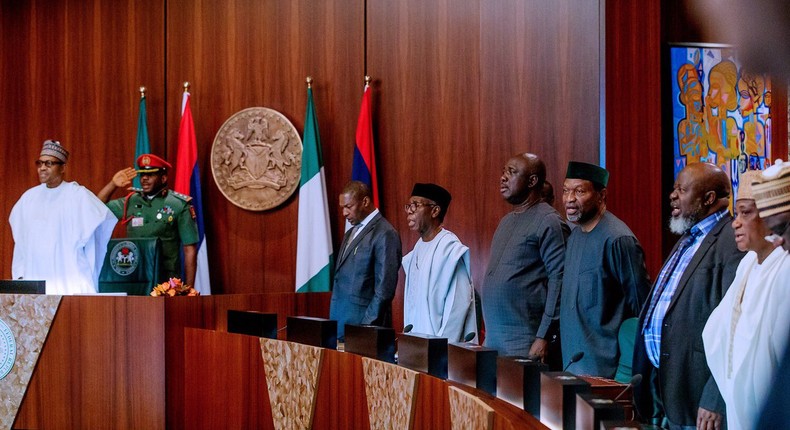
155, 363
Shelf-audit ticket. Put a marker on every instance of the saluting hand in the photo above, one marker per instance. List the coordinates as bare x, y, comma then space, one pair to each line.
124, 177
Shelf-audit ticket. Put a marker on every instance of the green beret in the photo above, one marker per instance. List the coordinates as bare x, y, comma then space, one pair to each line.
590, 172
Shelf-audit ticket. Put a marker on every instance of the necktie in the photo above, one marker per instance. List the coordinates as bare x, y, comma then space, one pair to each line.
667, 274
350, 238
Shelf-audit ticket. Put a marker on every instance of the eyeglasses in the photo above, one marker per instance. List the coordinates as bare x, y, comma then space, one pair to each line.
48, 163
411, 207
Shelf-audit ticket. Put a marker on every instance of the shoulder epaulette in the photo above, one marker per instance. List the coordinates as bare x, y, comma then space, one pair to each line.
183, 197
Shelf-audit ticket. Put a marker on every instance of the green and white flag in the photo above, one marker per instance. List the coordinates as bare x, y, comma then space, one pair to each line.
143, 146
314, 260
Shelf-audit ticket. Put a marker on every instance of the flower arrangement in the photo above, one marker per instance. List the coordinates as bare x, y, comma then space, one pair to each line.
173, 287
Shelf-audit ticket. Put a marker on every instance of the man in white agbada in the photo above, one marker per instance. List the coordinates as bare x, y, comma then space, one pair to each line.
60, 229
746, 334
438, 297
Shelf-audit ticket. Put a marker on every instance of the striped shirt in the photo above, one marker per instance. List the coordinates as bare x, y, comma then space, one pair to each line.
668, 281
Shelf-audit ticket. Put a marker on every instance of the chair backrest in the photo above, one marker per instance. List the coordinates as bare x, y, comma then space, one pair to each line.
626, 338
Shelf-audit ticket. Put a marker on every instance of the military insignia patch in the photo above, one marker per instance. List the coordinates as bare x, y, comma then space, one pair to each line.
124, 258
166, 213
183, 197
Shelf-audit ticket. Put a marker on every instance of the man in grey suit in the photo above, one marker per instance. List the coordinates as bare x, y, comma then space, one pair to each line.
669, 352
521, 287
366, 272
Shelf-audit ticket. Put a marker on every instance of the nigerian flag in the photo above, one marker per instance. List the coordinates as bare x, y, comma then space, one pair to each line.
142, 146
314, 259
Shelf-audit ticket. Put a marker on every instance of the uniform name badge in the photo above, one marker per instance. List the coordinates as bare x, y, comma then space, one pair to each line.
137, 221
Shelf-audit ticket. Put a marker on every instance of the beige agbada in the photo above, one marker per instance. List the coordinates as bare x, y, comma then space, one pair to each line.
746, 335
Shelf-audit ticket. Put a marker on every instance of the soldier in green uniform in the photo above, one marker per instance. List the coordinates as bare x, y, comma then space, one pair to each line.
156, 211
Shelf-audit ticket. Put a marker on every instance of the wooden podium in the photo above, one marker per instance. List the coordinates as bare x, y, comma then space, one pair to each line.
169, 363
120, 362
131, 266
103, 361
228, 371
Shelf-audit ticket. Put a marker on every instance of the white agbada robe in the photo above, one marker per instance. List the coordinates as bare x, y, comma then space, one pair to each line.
743, 362
60, 236
439, 296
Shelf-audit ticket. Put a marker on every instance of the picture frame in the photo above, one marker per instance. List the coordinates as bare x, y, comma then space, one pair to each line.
721, 112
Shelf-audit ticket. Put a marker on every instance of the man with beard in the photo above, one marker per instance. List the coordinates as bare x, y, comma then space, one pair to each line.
156, 211
60, 229
669, 352
521, 287
438, 297
605, 280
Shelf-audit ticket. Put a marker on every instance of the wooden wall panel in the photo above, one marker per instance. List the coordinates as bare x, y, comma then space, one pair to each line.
540, 97
97, 370
240, 54
424, 58
460, 88
633, 122
70, 70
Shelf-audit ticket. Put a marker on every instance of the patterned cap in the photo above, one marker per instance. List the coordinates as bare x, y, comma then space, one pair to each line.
745, 191
54, 149
771, 189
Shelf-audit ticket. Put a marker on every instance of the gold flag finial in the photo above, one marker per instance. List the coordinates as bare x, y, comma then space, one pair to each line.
367, 80
186, 86
142, 92
309, 81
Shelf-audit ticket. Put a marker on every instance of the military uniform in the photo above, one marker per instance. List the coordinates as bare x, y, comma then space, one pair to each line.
168, 215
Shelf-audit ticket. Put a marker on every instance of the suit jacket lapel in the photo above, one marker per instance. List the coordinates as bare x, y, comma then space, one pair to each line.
655, 282
364, 232
342, 249
709, 240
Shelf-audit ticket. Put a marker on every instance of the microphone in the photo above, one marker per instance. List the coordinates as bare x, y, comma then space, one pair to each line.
469, 336
408, 328
576, 357
635, 380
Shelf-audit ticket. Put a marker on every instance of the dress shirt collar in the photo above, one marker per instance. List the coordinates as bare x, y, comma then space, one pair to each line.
365, 222
704, 227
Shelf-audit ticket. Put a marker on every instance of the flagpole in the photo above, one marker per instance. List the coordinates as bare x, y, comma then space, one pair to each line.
314, 261
186, 86
142, 92
367, 80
